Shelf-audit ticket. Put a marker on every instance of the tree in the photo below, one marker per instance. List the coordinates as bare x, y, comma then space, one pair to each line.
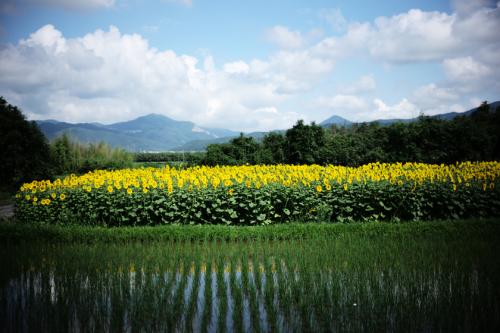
274, 147
304, 143
24, 148
244, 149
63, 154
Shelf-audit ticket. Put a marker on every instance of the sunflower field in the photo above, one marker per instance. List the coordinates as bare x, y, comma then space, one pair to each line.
259, 195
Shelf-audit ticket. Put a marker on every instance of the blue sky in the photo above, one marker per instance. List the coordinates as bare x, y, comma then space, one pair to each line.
253, 65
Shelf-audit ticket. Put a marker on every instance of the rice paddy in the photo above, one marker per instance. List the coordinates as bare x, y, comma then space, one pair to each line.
353, 281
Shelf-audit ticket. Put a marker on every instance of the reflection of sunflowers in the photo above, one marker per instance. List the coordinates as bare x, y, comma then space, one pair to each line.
319, 178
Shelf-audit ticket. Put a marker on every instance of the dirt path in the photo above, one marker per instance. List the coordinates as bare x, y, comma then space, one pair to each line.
6, 210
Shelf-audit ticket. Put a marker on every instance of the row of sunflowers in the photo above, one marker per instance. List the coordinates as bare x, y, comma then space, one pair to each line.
265, 194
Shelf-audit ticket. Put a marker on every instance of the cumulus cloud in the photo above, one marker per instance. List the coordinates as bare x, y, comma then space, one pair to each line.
292, 72
434, 99
284, 37
417, 36
431, 96
403, 109
357, 109
465, 69
108, 76
236, 67
413, 36
465, 42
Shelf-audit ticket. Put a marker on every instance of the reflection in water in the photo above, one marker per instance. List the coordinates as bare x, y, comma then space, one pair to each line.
237, 287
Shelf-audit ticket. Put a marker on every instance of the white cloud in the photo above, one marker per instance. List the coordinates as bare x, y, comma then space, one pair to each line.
356, 109
417, 36
465, 69
364, 84
413, 36
403, 109
434, 99
47, 37
348, 106
431, 95
236, 67
285, 38
466, 43
108, 76
291, 72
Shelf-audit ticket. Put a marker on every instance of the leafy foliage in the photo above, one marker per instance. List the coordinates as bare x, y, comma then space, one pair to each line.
25, 152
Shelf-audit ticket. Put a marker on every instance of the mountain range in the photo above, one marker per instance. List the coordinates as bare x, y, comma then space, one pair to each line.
152, 132
339, 121
156, 132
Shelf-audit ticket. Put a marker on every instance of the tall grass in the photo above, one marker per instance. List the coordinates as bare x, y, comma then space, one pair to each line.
69, 156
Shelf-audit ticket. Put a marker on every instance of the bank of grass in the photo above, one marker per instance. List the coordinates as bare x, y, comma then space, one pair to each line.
13, 231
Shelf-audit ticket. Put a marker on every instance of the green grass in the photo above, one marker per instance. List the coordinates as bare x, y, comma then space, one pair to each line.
425, 276
294, 231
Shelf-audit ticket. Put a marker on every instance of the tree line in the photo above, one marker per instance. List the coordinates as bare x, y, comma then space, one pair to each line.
428, 139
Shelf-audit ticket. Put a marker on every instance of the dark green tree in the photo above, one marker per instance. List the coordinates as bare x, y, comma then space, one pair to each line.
25, 151
63, 155
273, 146
219, 154
244, 149
304, 143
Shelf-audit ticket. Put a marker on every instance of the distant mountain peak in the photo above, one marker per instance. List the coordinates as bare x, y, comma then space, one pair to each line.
151, 132
335, 120
153, 116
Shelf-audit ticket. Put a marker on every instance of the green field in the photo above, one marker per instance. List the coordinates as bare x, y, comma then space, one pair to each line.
432, 276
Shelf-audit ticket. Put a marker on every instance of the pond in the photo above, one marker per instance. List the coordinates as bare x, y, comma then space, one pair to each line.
350, 283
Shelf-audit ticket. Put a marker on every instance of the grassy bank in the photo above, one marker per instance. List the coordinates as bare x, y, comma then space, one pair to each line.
489, 228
